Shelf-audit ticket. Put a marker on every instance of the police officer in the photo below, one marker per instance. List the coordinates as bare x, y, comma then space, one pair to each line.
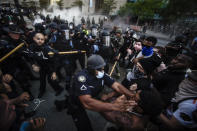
44, 64
88, 83
105, 48
15, 64
64, 43
117, 43
80, 43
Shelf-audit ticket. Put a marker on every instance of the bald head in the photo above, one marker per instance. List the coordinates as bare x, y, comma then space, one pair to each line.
39, 39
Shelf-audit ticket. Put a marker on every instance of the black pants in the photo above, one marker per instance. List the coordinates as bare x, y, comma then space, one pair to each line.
43, 74
81, 120
81, 58
69, 66
78, 113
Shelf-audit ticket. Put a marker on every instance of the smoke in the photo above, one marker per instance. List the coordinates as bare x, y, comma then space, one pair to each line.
121, 22
37, 20
65, 14
76, 13
68, 14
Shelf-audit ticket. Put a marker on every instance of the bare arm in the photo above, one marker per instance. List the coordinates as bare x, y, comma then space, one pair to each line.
121, 89
92, 104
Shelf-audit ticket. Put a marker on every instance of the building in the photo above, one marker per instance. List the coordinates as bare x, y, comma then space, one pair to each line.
88, 6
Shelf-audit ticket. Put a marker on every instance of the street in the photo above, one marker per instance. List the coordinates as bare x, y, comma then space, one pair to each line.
61, 121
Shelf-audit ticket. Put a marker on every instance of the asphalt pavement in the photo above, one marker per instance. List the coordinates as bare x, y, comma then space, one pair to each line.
61, 121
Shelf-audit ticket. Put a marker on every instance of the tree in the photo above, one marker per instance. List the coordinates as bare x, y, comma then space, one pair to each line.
143, 9
176, 9
108, 6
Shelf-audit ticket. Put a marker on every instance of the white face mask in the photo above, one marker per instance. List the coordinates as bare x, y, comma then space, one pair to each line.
100, 74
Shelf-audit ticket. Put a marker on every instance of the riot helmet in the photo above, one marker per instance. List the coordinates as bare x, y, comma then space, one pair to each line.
39, 28
94, 30
95, 62
71, 25
65, 30
106, 38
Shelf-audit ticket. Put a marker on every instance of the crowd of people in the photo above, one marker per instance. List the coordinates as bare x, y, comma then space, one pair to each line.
160, 86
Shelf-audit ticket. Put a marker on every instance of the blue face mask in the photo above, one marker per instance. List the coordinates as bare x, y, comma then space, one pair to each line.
100, 74
147, 51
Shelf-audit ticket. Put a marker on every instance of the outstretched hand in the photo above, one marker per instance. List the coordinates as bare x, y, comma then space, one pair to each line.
38, 124
122, 104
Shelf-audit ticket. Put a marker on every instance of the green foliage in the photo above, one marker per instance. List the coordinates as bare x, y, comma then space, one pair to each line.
176, 9
44, 3
126, 9
142, 8
108, 6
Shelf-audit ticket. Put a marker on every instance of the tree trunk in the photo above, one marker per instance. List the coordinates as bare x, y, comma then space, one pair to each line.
138, 19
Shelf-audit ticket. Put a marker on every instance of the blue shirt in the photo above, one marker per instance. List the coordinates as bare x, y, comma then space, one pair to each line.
88, 84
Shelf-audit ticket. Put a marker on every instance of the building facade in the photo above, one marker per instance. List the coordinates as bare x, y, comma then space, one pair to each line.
88, 7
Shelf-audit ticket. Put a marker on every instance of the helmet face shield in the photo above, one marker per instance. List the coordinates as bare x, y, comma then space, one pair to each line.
106, 41
94, 32
66, 34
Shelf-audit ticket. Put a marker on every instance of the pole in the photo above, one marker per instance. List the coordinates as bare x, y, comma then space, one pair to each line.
11, 52
68, 52
113, 67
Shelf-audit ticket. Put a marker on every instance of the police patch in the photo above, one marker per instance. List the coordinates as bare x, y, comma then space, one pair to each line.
83, 88
81, 79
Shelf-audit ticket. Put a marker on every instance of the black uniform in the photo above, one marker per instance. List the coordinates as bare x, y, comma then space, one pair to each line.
80, 43
47, 64
85, 84
65, 61
15, 64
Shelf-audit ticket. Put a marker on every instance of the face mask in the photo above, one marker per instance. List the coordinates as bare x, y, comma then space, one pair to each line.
100, 75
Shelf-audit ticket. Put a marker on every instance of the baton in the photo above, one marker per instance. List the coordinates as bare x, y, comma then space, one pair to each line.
11, 52
114, 65
68, 52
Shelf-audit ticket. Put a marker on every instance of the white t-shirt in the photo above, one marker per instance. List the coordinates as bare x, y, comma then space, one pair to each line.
184, 113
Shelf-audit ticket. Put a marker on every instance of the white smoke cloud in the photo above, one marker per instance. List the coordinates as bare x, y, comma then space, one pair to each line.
65, 14
68, 14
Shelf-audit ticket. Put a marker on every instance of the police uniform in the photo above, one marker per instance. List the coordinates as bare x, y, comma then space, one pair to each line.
15, 64
85, 84
80, 43
65, 61
39, 55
